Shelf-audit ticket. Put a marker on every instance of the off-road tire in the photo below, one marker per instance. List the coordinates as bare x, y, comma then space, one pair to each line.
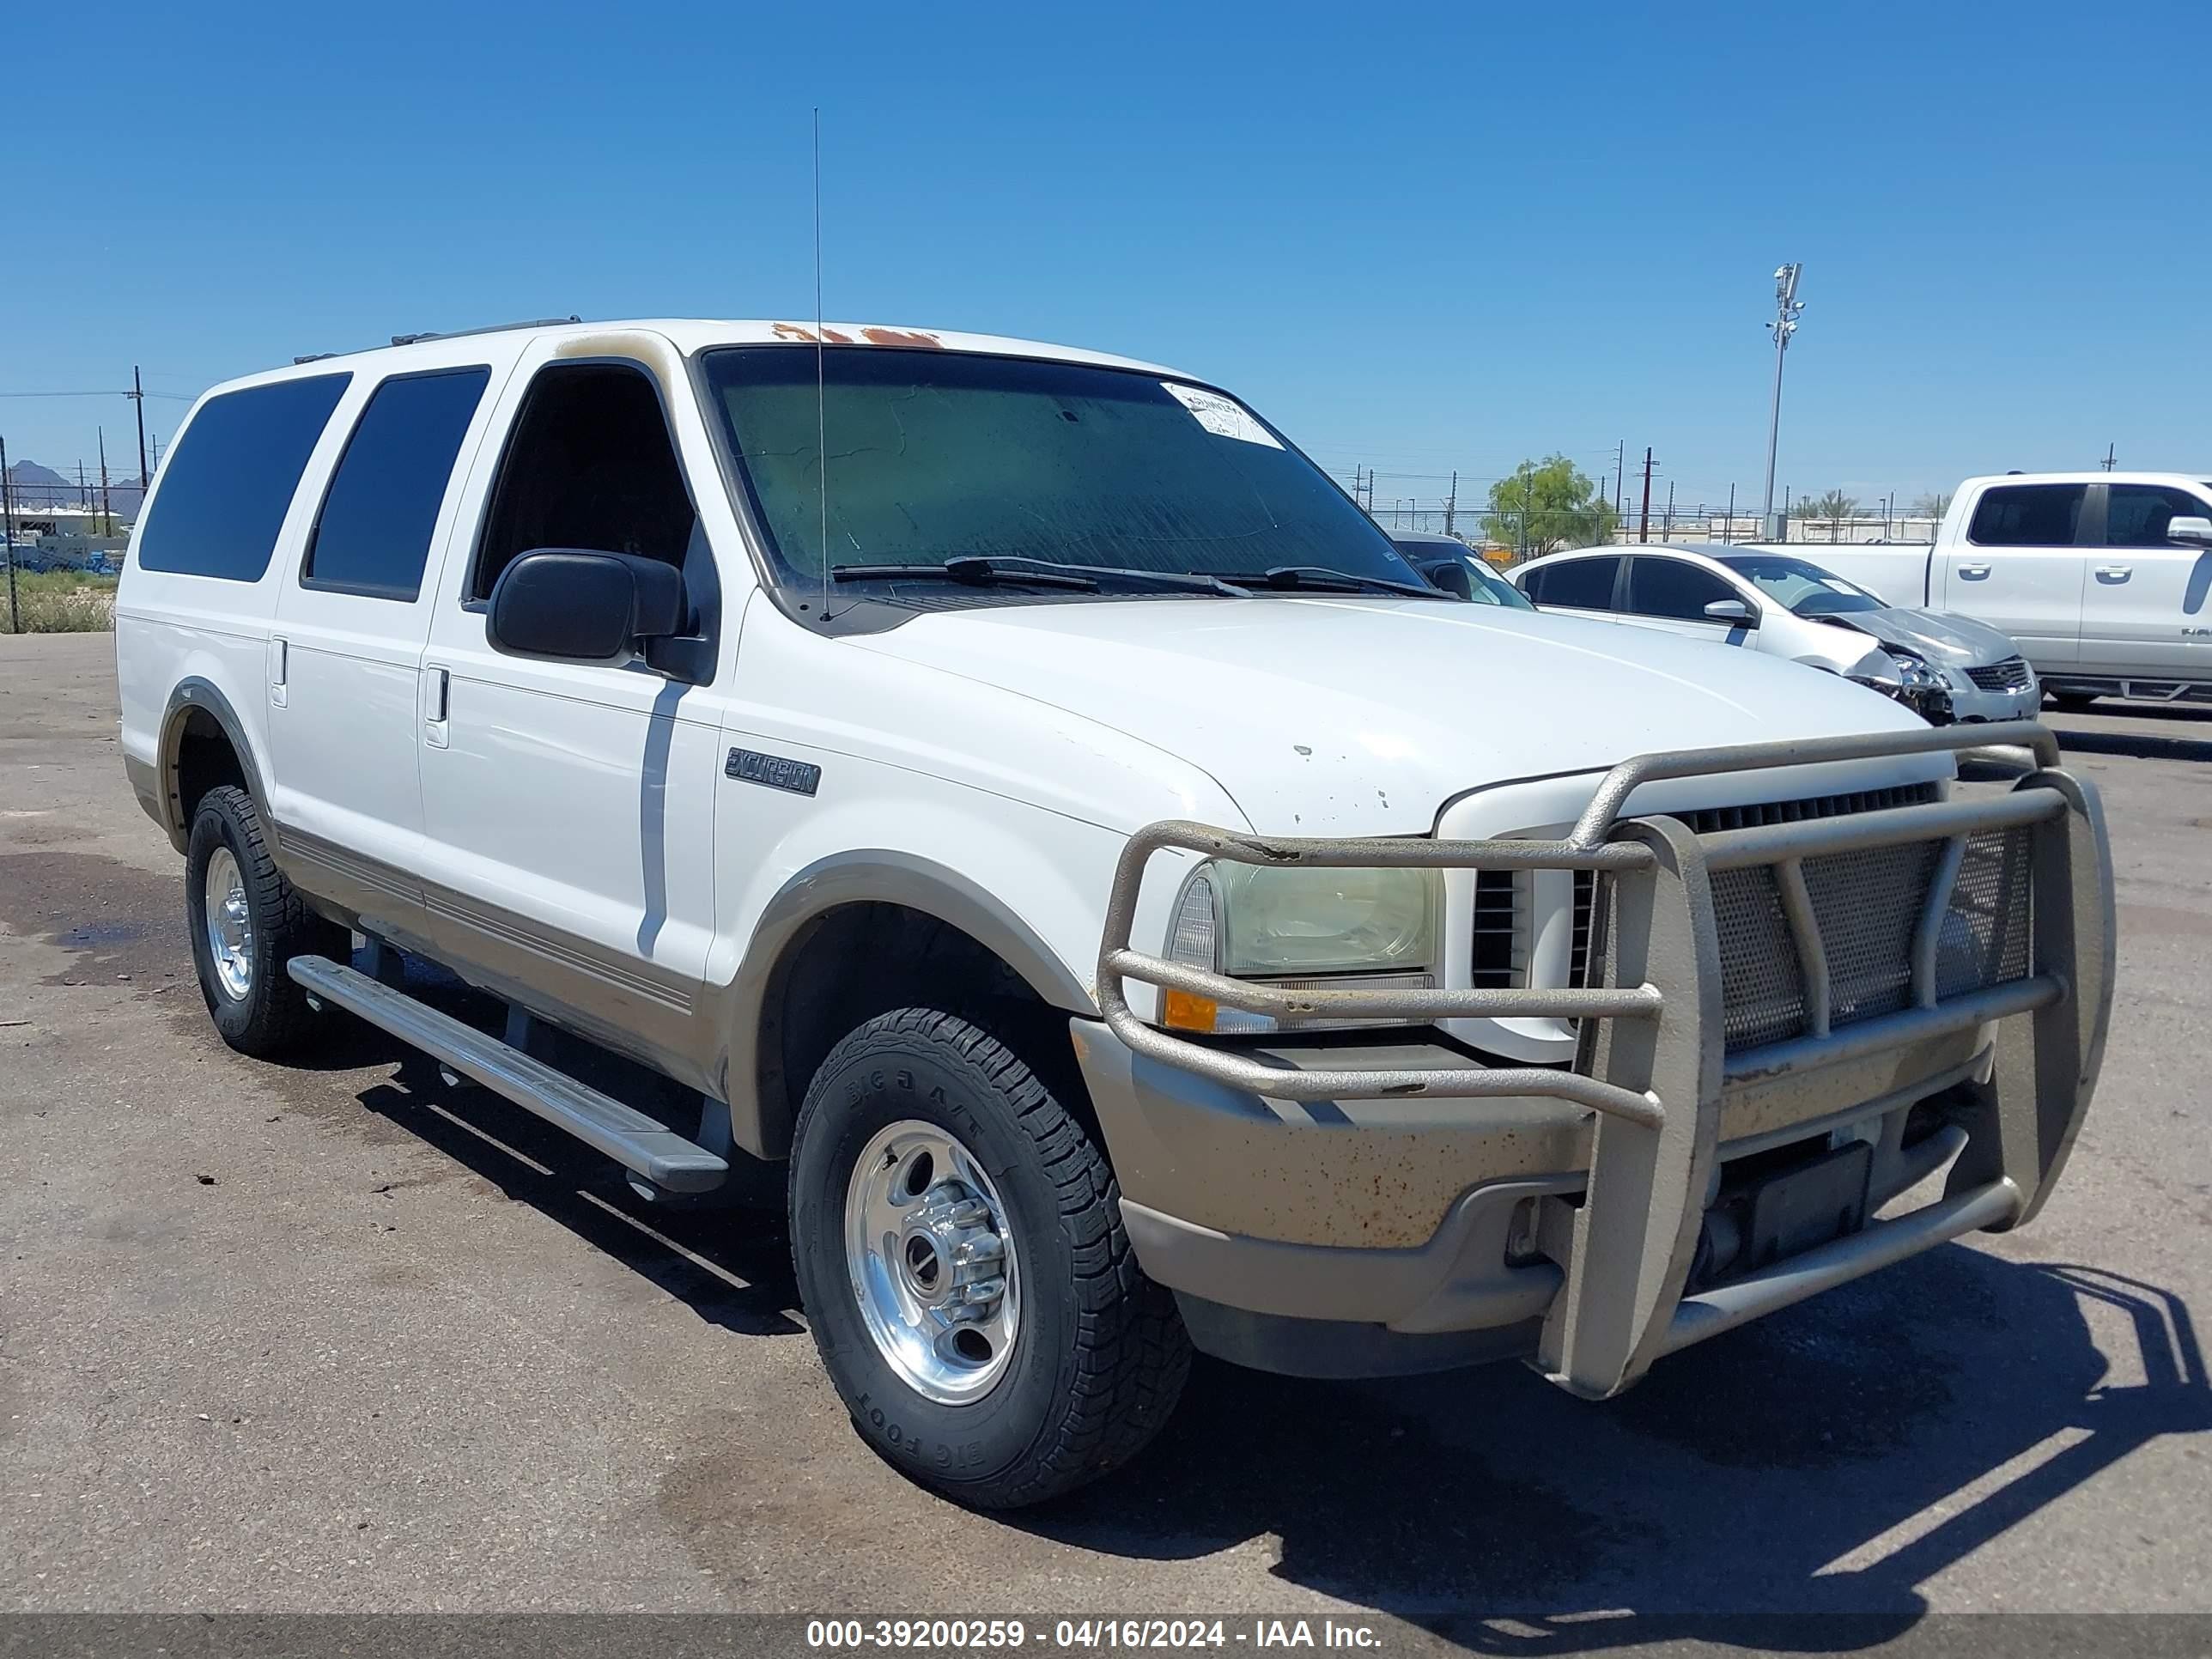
1101, 1354
273, 1016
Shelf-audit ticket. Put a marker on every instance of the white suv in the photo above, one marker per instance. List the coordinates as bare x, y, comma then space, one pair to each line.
1140, 911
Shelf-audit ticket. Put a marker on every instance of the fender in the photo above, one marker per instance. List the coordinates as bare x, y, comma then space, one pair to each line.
752, 1072
190, 694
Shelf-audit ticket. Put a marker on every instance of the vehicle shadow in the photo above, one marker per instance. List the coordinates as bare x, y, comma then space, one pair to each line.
732, 1269
1790, 1485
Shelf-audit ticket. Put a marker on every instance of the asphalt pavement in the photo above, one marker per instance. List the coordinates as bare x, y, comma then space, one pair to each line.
335, 1337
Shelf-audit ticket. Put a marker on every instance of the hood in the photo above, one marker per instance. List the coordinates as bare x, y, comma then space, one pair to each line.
1360, 716
1945, 638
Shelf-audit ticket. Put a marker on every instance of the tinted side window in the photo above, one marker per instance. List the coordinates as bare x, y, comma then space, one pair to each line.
589, 464
1673, 589
2136, 515
2027, 515
373, 535
1579, 584
225, 491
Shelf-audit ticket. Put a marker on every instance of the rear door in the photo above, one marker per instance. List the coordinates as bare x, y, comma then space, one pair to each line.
2146, 606
1578, 587
1671, 594
2022, 567
350, 624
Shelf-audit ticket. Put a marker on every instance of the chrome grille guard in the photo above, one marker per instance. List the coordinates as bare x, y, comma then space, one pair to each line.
1651, 1063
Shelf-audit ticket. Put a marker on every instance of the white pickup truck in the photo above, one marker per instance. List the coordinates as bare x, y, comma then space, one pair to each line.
1062, 831
2104, 579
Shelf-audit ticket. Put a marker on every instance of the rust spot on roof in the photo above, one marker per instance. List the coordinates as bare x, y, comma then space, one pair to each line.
792, 332
902, 336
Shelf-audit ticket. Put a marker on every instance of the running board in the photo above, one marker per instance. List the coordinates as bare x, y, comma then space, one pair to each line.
637, 1142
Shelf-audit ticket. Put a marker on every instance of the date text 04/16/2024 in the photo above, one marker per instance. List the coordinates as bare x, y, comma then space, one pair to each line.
1086, 1635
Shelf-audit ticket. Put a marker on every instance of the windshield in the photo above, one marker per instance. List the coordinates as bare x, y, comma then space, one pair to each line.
1803, 587
1491, 588
936, 455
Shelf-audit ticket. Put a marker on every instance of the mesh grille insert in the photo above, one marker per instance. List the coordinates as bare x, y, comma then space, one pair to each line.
1868, 904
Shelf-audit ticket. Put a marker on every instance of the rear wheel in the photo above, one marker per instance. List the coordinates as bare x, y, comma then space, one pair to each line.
958, 1243
246, 922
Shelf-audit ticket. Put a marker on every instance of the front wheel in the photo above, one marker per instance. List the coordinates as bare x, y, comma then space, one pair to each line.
958, 1244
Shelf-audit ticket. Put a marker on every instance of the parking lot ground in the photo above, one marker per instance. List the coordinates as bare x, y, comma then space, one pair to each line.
335, 1337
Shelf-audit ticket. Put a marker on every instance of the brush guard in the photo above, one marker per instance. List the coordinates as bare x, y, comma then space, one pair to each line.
1653, 1061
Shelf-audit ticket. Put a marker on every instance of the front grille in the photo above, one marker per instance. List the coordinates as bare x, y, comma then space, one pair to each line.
1868, 904
1498, 957
2010, 675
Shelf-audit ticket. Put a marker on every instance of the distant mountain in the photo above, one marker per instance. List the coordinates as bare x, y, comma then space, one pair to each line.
33, 486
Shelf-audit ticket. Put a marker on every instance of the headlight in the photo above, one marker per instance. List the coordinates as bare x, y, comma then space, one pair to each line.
1905, 676
1300, 928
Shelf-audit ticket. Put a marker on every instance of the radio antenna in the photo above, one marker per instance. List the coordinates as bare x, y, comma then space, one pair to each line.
820, 406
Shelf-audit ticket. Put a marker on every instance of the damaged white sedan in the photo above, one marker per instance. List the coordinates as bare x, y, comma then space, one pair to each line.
1942, 665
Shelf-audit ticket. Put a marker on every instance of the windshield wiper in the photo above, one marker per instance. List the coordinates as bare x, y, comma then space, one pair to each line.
1319, 577
981, 569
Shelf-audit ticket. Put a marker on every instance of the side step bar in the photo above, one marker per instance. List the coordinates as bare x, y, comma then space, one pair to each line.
637, 1142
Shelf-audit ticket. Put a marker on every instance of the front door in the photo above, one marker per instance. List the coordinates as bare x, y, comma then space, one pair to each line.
569, 805
1671, 594
348, 633
2021, 566
2146, 607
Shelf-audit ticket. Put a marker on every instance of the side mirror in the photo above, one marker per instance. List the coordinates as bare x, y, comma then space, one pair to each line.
2191, 528
1449, 576
1729, 610
592, 607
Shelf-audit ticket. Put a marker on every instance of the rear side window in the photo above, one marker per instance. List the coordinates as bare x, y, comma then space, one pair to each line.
2027, 515
373, 535
1579, 584
225, 491
1673, 589
2136, 515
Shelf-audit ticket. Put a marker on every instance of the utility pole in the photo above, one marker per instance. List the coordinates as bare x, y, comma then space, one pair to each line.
1667, 530
2110, 459
107, 519
1451, 502
7, 530
1620, 454
1787, 304
1729, 534
1644, 526
83, 496
139, 397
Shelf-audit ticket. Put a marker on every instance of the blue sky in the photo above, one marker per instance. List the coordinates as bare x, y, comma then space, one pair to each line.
1418, 238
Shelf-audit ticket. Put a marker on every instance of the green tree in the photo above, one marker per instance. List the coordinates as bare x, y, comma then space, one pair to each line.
1547, 505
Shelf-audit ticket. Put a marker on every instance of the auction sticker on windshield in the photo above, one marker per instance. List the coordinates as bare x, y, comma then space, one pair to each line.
1224, 416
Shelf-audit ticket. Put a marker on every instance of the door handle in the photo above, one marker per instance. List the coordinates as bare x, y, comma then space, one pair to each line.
437, 692
280, 669
2115, 573
1973, 572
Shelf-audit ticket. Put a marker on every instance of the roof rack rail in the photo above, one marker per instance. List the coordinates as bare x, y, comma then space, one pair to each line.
313, 357
489, 328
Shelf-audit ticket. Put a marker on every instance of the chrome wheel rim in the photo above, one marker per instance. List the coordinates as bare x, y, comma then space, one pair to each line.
229, 925
932, 1262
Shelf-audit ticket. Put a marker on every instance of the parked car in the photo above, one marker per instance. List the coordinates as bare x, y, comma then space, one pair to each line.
1126, 906
1942, 667
1450, 564
2104, 578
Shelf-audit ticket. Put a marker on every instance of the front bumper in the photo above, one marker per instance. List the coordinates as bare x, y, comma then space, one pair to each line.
1972, 705
1349, 1201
